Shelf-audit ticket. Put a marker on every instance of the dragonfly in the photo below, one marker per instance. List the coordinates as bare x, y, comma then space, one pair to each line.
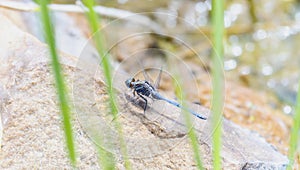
145, 89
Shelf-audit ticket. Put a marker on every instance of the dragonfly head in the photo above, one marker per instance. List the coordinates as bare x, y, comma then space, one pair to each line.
129, 82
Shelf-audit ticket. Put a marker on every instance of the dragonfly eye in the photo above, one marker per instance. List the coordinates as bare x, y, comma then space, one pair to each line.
128, 82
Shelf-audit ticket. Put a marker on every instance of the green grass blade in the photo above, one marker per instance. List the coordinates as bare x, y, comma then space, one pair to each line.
191, 133
59, 81
218, 79
107, 159
295, 131
98, 40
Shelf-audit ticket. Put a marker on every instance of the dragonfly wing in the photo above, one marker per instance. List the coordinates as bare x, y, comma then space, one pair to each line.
146, 76
157, 81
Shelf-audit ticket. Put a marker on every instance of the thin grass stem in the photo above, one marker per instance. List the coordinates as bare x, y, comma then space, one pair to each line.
59, 81
100, 46
218, 79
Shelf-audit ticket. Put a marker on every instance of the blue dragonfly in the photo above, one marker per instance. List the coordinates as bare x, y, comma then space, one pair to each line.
144, 89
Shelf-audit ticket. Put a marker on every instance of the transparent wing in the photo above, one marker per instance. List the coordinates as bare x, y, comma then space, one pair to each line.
157, 81
146, 76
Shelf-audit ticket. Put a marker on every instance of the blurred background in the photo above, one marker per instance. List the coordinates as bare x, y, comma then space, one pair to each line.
260, 44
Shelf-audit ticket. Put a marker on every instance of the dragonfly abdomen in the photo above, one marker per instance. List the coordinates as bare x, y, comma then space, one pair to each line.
160, 97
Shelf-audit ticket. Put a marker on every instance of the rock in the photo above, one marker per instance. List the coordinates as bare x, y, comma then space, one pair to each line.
33, 136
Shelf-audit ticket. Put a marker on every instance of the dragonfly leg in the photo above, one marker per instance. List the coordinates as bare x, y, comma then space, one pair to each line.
146, 102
